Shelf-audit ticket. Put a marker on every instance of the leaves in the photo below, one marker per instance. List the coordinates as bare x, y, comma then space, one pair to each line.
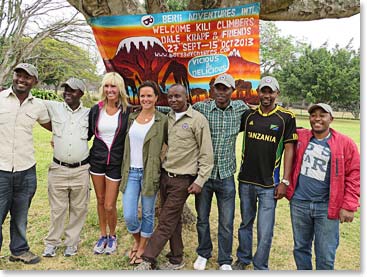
57, 61
25, 24
45, 94
323, 75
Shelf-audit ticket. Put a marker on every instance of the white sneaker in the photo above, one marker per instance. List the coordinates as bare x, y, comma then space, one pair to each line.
225, 267
200, 263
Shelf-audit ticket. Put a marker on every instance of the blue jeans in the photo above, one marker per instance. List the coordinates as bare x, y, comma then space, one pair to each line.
16, 192
225, 193
130, 205
310, 222
249, 196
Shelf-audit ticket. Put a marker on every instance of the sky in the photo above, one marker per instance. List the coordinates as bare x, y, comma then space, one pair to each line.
316, 32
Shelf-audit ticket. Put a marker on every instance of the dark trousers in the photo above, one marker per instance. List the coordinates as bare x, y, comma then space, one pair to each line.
173, 191
16, 192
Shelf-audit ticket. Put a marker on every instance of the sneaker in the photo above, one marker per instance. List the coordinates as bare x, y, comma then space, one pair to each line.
70, 251
169, 266
50, 251
225, 267
238, 265
111, 245
144, 265
100, 246
200, 263
27, 258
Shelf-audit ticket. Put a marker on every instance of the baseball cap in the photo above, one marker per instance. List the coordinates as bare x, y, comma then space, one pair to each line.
270, 82
75, 83
226, 80
323, 106
29, 68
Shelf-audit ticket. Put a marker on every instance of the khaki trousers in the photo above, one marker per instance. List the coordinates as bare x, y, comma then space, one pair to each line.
68, 194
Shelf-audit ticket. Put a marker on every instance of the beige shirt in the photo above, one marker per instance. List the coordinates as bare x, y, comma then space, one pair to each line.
69, 131
16, 130
190, 149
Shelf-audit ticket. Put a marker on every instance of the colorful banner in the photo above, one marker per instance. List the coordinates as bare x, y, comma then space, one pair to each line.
188, 47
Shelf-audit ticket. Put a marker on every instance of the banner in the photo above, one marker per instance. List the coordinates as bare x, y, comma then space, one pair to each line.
188, 47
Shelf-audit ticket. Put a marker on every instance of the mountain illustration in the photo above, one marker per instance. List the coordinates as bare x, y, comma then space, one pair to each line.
145, 58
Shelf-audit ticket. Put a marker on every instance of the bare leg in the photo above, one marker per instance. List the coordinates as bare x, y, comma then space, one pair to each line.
112, 189
100, 190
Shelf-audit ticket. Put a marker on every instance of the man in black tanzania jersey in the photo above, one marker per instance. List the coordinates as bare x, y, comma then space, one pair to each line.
268, 130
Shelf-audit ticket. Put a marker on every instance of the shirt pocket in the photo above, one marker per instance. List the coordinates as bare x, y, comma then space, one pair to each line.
57, 126
29, 119
83, 124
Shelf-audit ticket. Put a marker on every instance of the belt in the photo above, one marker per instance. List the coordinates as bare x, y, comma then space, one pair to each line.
73, 165
174, 175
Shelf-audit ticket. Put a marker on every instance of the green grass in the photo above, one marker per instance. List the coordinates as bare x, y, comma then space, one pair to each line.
281, 258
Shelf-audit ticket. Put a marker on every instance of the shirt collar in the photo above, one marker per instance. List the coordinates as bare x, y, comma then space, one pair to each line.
188, 112
71, 110
214, 106
9, 91
270, 113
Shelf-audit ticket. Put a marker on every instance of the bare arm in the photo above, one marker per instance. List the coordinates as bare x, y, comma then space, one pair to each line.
47, 126
281, 189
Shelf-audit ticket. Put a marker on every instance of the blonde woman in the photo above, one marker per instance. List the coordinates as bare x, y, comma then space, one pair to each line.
141, 169
108, 125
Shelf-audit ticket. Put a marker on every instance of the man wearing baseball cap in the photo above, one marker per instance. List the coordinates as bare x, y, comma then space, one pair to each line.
68, 175
324, 189
269, 131
29, 68
19, 111
224, 116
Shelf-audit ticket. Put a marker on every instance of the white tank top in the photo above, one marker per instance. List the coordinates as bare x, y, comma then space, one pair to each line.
137, 135
107, 126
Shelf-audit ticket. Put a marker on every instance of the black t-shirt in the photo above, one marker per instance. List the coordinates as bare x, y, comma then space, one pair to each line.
263, 144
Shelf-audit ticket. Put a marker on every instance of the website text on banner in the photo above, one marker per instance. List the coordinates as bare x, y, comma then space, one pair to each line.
188, 47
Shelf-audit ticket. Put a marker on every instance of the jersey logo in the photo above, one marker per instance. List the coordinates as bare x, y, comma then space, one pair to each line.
251, 122
274, 127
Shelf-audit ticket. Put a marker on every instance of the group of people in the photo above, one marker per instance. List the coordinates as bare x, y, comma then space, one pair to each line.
177, 151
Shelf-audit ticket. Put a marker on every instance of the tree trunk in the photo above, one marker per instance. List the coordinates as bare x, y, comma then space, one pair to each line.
275, 10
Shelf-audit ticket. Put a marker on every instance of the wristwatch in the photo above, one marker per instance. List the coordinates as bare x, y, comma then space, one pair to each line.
285, 182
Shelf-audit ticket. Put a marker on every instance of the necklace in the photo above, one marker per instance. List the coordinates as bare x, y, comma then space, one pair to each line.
146, 118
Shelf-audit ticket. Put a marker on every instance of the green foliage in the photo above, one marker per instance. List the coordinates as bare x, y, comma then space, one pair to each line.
322, 75
89, 100
175, 5
276, 50
46, 94
57, 61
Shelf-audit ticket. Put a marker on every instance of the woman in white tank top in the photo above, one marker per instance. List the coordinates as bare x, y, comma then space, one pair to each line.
109, 118
141, 169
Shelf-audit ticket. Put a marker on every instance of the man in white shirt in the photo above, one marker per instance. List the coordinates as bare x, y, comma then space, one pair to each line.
68, 174
19, 111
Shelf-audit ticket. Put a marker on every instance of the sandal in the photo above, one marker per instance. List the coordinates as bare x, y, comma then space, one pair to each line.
138, 260
132, 256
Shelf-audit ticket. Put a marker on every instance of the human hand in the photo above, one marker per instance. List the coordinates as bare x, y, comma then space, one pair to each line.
194, 189
345, 216
280, 191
